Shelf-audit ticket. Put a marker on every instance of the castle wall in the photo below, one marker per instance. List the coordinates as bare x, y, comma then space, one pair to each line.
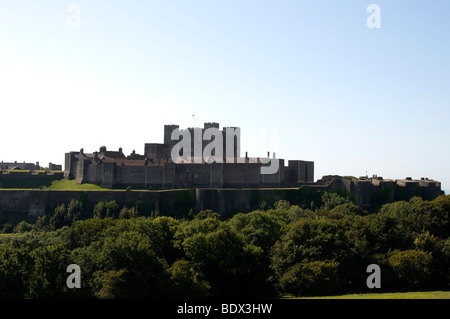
241, 175
171, 175
274, 180
362, 190
168, 176
157, 150
12, 175
431, 190
94, 174
309, 172
108, 175
70, 166
38, 202
389, 188
18, 201
216, 175
411, 188
130, 175
301, 171
81, 171
195, 175
68, 173
153, 176
178, 202
168, 133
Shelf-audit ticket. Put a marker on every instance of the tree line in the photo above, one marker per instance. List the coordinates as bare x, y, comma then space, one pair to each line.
269, 252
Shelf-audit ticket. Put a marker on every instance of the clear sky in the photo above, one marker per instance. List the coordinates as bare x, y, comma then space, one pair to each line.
353, 99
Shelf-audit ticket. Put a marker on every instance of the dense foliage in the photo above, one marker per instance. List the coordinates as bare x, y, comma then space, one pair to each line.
285, 249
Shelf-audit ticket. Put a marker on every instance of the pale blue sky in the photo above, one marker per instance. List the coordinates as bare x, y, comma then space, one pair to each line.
350, 98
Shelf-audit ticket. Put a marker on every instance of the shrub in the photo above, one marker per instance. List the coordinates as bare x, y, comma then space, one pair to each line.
128, 212
106, 209
23, 227
411, 267
311, 278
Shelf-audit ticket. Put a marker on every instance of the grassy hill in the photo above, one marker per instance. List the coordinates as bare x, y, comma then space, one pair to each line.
46, 183
63, 184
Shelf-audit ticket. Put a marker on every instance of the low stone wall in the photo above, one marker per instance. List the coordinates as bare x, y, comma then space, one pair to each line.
39, 202
225, 201
167, 202
14, 179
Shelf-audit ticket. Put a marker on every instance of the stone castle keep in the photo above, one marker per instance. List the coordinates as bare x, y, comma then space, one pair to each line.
155, 169
224, 186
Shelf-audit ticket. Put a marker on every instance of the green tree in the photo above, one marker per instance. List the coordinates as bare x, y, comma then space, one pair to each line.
259, 228
314, 240
128, 212
282, 205
185, 282
446, 261
105, 209
83, 233
386, 232
286, 213
432, 216
76, 211
311, 278
207, 213
60, 217
23, 227
161, 233
412, 268
12, 263
427, 242
47, 276
221, 256
349, 210
146, 274
114, 285
440, 262
419, 215
331, 200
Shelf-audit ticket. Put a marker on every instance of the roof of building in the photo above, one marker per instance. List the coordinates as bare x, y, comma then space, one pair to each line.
128, 162
113, 154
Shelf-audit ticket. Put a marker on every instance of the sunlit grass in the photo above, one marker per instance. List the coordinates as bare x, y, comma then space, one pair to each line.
388, 295
64, 184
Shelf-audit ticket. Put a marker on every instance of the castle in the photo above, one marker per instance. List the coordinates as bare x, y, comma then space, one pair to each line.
217, 178
156, 169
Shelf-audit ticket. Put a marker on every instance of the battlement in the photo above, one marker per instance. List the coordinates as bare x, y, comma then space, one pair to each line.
376, 190
168, 129
230, 136
211, 125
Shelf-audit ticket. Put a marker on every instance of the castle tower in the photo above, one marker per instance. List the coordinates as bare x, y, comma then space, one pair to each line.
211, 124
168, 129
232, 138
